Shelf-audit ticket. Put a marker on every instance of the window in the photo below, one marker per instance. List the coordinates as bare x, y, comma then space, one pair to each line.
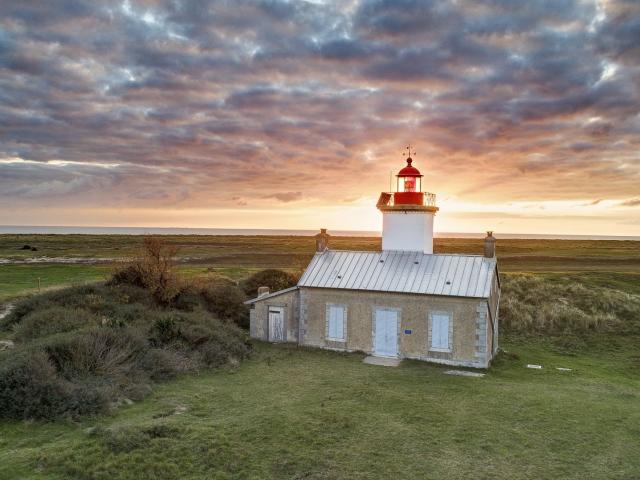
440, 332
336, 323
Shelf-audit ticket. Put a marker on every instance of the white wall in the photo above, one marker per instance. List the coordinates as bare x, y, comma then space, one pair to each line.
409, 231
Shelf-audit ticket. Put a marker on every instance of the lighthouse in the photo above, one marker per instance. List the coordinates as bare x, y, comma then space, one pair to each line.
401, 302
407, 213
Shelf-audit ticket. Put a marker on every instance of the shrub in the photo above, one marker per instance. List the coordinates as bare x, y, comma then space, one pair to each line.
162, 363
535, 305
129, 274
99, 352
189, 298
226, 302
26, 306
84, 350
272, 278
87, 297
165, 330
152, 269
30, 388
52, 320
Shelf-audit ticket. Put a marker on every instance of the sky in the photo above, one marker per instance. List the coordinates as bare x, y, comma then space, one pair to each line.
524, 116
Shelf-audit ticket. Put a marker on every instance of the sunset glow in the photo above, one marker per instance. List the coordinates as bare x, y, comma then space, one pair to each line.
292, 115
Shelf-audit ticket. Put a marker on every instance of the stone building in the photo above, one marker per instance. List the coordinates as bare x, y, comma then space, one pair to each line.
404, 301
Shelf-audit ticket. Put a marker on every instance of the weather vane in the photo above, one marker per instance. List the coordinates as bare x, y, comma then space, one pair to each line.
409, 152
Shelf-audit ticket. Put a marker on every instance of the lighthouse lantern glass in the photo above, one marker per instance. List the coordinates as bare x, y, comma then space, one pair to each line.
409, 184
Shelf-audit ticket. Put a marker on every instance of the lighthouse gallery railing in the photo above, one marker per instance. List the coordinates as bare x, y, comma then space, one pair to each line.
388, 199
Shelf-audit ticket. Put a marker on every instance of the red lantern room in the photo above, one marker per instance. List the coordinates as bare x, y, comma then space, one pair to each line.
408, 195
409, 191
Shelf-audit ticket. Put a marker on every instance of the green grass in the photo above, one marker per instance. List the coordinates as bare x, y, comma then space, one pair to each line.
295, 251
298, 413
21, 279
236, 257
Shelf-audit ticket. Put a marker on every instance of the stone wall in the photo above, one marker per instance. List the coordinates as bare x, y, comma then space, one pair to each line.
259, 317
469, 342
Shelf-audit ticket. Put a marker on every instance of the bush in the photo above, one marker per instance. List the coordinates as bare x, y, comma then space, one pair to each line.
153, 269
272, 278
166, 330
52, 320
129, 274
87, 297
86, 349
226, 302
189, 298
101, 352
163, 363
535, 305
30, 388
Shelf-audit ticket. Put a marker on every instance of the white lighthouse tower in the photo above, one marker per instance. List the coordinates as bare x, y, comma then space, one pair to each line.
407, 213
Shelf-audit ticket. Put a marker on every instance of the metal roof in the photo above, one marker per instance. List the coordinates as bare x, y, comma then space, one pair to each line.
406, 272
272, 294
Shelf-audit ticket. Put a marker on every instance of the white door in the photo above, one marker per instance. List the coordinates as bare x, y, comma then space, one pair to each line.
386, 336
276, 324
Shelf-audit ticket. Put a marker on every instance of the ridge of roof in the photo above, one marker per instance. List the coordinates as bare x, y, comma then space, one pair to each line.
408, 252
272, 294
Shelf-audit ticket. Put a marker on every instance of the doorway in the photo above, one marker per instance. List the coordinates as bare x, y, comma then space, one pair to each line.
386, 333
276, 324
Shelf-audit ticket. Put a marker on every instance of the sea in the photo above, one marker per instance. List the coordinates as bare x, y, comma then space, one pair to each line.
62, 230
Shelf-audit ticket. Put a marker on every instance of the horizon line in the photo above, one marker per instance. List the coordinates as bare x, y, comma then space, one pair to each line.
128, 230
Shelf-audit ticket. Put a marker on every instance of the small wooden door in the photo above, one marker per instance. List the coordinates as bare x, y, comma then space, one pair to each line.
276, 324
386, 334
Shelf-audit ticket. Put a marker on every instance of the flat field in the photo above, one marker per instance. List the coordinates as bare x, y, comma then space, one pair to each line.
293, 413
79, 258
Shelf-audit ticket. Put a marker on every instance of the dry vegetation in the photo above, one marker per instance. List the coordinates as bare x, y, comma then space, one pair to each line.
88, 349
535, 305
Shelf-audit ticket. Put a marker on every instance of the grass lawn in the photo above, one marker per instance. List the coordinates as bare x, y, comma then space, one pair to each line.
20, 279
606, 263
301, 413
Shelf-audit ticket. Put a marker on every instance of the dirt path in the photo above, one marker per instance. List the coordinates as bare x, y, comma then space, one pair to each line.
6, 309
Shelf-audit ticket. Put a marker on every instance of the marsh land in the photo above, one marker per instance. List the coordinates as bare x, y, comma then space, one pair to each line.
73, 259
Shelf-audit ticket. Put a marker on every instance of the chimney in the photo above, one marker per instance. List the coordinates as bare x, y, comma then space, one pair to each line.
322, 240
490, 245
263, 291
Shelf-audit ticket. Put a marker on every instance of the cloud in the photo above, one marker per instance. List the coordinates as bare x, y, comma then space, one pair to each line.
285, 197
633, 202
200, 103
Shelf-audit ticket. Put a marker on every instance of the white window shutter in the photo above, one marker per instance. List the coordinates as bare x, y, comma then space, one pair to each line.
435, 331
440, 331
336, 322
340, 323
332, 322
444, 332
